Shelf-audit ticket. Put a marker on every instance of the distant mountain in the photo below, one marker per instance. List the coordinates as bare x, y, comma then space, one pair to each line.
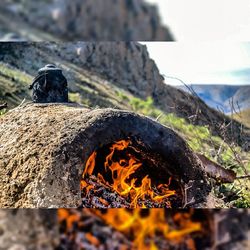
222, 96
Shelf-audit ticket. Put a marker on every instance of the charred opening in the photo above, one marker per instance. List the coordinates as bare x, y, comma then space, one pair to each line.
126, 174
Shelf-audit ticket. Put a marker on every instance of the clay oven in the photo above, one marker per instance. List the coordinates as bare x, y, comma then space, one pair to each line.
62, 155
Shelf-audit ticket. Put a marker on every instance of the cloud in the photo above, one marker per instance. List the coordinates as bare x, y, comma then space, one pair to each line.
243, 75
200, 62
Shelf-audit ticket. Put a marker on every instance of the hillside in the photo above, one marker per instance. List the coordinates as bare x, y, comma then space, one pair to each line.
243, 117
220, 96
76, 20
126, 78
127, 67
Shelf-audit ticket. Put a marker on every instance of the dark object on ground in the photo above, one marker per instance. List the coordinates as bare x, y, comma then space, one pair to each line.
3, 106
50, 85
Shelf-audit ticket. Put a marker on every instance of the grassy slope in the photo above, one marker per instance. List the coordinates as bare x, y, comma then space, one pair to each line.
94, 91
13, 85
243, 117
201, 140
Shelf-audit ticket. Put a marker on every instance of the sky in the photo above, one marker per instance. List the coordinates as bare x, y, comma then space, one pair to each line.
204, 20
202, 62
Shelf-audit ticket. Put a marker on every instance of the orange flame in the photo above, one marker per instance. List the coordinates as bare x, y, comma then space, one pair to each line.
123, 183
143, 229
150, 226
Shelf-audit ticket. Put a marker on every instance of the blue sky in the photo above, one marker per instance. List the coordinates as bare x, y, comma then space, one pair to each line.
202, 62
204, 20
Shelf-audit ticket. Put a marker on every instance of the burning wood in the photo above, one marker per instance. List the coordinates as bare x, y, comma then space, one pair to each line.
139, 229
132, 188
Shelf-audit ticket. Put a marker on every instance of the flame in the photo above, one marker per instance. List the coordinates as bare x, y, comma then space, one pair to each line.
122, 177
150, 226
144, 229
64, 214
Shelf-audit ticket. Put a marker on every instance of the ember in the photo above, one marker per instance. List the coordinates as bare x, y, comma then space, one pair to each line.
122, 172
139, 229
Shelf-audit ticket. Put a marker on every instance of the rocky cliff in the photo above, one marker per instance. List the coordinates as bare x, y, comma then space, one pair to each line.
98, 20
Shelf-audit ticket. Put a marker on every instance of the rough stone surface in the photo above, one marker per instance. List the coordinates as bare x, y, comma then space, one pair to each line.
44, 149
96, 20
26, 229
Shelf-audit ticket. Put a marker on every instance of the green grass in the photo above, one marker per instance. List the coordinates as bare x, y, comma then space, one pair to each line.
200, 140
13, 85
2, 112
75, 97
15, 75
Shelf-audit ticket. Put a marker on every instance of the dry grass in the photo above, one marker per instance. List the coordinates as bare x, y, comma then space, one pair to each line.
243, 117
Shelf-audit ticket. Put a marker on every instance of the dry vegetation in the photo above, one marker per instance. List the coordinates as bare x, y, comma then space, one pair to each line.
243, 117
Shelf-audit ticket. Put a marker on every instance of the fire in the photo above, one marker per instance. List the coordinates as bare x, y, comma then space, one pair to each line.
123, 180
142, 229
150, 226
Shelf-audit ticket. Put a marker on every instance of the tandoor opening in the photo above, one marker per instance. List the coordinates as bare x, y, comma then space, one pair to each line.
124, 174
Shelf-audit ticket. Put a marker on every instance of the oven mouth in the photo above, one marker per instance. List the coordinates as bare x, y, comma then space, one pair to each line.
126, 174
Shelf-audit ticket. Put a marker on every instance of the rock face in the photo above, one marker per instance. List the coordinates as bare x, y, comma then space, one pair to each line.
127, 64
98, 20
26, 229
44, 148
123, 20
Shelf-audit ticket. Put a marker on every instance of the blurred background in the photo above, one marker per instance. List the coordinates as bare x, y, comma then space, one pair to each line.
195, 20
94, 20
125, 20
92, 229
